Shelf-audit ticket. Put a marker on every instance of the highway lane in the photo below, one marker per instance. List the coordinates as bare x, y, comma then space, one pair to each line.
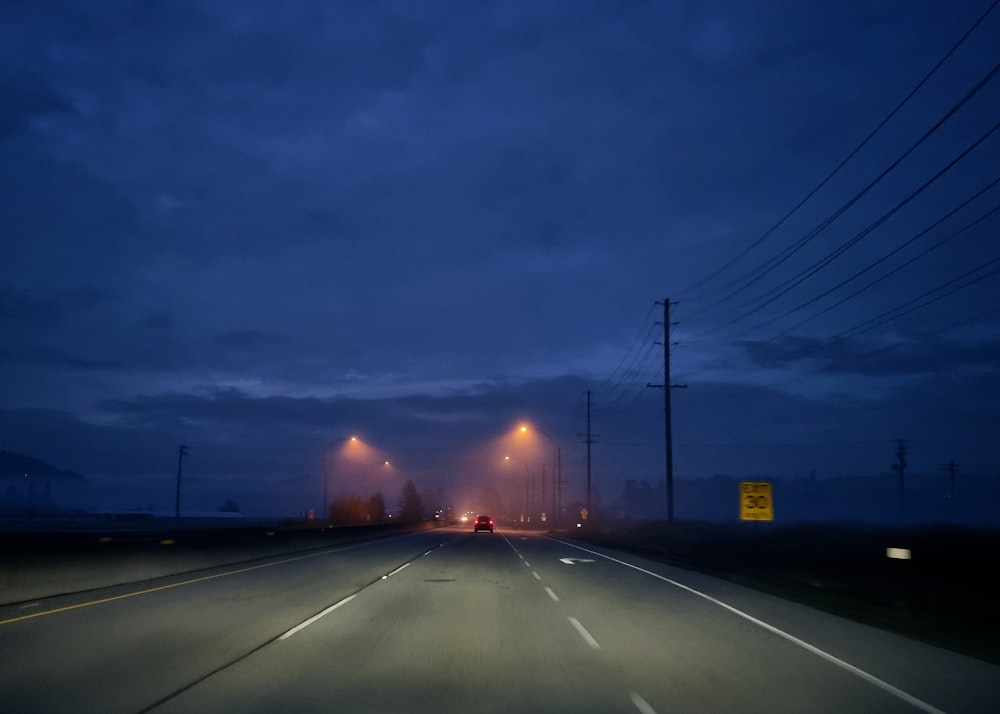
450, 621
463, 629
718, 646
123, 648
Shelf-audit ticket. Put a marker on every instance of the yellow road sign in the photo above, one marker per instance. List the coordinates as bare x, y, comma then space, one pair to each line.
756, 503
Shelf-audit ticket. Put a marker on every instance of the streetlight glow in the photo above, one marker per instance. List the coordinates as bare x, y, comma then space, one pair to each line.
527, 481
326, 473
556, 467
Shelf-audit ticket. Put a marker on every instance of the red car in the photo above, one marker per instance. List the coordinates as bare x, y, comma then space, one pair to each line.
483, 523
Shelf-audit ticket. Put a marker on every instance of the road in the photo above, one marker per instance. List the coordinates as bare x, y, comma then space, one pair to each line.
451, 621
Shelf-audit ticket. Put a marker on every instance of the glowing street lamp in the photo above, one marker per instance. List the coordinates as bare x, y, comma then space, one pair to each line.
326, 475
524, 429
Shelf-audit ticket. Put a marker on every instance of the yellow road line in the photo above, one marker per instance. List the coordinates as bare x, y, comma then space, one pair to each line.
156, 589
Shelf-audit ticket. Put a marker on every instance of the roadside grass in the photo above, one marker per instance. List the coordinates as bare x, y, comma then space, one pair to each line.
943, 595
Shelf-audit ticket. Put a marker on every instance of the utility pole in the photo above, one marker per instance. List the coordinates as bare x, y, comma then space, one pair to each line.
557, 505
900, 466
181, 453
542, 506
668, 430
588, 439
951, 467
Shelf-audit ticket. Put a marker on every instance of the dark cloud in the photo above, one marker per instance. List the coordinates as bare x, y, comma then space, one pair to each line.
929, 355
158, 320
26, 98
50, 307
241, 223
245, 339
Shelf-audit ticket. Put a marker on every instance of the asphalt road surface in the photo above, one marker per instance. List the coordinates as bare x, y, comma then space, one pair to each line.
453, 621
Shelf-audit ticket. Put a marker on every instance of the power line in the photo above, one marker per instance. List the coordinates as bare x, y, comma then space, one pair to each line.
880, 279
640, 373
642, 328
923, 338
878, 262
637, 361
910, 305
844, 162
788, 285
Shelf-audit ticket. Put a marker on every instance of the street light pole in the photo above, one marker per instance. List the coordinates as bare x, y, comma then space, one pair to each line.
368, 512
326, 475
181, 453
527, 480
557, 505
326, 487
555, 475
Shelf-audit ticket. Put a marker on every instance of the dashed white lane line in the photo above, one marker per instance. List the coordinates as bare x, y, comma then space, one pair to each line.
641, 704
536, 575
346, 600
555, 598
857, 671
313, 619
396, 570
29, 605
587, 637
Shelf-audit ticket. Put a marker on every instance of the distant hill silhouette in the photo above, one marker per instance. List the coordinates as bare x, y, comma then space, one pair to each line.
30, 486
17, 465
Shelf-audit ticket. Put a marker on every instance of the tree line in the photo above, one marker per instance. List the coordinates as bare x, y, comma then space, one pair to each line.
355, 510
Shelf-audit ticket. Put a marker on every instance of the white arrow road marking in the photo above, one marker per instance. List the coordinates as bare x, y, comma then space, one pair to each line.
574, 561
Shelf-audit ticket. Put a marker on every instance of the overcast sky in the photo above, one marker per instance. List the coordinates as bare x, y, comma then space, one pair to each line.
256, 228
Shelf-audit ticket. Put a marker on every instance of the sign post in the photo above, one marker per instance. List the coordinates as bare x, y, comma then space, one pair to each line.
756, 502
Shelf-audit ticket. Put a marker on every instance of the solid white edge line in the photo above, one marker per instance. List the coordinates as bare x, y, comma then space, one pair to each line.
313, 619
870, 678
641, 704
552, 594
584, 634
